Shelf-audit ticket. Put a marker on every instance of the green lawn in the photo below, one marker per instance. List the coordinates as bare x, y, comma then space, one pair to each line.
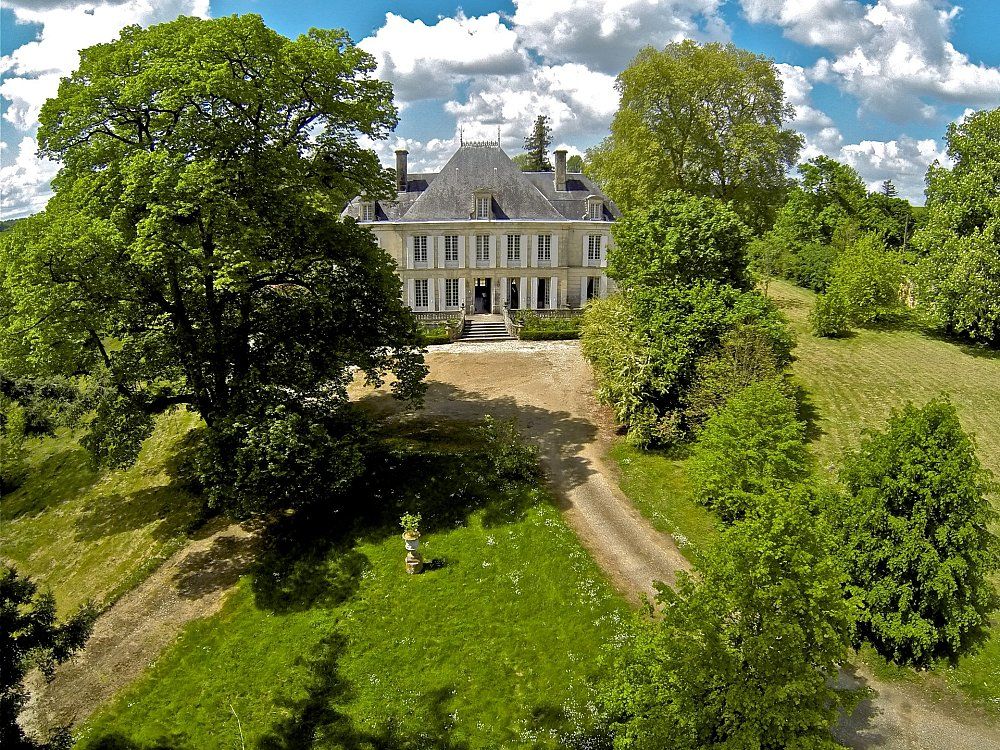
90, 534
495, 645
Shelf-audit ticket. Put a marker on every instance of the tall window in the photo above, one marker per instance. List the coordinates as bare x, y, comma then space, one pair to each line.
594, 250
482, 248
545, 248
451, 292
513, 248
451, 248
420, 248
593, 287
596, 211
367, 212
421, 295
482, 207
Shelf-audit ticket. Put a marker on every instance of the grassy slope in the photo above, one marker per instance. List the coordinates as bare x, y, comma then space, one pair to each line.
494, 648
89, 534
852, 384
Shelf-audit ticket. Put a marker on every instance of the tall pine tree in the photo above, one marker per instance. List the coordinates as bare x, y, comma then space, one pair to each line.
536, 146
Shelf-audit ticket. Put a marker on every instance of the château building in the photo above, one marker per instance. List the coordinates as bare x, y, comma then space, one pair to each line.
483, 234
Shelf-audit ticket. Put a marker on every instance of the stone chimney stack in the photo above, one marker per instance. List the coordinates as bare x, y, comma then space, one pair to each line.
401, 177
560, 169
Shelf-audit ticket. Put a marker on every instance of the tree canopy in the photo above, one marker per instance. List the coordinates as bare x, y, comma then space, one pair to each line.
706, 119
745, 657
678, 239
959, 280
194, 251
536, 146
916, 539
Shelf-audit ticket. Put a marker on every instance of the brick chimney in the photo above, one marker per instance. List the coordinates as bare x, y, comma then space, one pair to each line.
401, 177
560, 169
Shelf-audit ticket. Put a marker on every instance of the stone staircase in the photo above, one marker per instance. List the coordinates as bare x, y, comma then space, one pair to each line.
485, 330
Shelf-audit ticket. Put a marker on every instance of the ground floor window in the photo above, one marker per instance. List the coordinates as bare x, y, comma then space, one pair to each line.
451, 292
593, 287
421, 295
542, 299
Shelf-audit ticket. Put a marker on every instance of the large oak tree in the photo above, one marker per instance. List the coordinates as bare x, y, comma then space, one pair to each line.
194, 252
706, 119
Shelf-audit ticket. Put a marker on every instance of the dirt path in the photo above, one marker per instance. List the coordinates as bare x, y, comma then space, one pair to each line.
133, 633
548, 387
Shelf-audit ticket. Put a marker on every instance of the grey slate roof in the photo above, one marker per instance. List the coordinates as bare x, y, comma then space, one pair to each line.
517, 195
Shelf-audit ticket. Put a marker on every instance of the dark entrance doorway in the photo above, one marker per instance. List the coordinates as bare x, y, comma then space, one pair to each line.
542, 301
515, 297
483, 295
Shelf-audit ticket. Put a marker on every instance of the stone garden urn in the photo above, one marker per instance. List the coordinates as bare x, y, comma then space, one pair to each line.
411, 538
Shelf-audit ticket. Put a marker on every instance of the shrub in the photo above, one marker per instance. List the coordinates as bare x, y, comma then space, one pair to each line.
753, 443
869, 279
829, 317
645, 344
915, 528
510, 457
745, 655
812, 264
437, 335
13, 465
537, 328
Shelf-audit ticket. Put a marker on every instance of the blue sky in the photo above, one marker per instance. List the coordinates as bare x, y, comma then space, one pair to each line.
874, 83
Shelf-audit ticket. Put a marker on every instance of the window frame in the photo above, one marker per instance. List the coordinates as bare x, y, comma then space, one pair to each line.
451, 248
513, 248
545, 248
593, 249
483, 207
451, 292
367, 211
595, 210
420, 244
421, 286
482, 249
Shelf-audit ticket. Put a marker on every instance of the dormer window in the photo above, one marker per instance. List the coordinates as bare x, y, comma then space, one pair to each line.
368, 211
483, 205
595, 209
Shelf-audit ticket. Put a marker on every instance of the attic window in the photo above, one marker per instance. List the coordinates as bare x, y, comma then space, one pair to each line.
483, 207
368, 211
595, 210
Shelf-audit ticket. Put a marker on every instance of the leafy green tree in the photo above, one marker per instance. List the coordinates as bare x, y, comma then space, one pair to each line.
30, 637
522, 161
706, 119
679, 239
868, 278
959, 280
536, 146
645, 344
575, 164
746, 655
915, 526
194, 252
752, 443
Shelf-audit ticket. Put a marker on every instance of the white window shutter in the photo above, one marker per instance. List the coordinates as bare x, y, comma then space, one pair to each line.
442, 300
461, 251
431, 306
503, 251
439, 243
461, 292
604, 253
409, 254
472, 251
522, 292
554, 293
583, 291
534, 250
555, 250
504, 291
492, 244
604, 286
409, 293
586, 247
524, 250
533, 294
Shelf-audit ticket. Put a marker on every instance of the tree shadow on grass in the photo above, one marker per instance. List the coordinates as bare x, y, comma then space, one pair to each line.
856, 727
217, 568
176, 511
61, 476
807, 413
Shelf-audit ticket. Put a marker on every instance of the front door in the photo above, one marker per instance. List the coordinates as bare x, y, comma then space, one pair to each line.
515, 298
542, 302
483, 296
